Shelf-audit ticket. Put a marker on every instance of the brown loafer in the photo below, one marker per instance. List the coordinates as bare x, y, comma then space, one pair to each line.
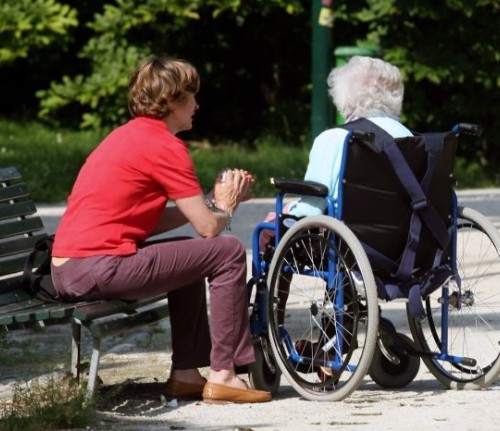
183, 390
220, 394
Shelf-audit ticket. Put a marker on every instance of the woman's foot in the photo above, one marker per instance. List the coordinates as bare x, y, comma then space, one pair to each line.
225, 387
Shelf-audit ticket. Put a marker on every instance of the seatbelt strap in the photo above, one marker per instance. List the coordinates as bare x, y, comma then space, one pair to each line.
422, 212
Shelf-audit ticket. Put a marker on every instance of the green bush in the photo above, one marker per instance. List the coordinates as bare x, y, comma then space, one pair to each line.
49, 159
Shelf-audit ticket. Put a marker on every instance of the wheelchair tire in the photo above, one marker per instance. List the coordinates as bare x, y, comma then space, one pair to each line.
471, 312
264, 374
323, 338
389, 375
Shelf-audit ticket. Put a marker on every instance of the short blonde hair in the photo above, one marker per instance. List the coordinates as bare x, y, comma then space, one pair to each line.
158, 81
366, 87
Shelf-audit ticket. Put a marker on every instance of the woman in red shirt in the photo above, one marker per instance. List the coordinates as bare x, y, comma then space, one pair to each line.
119, 199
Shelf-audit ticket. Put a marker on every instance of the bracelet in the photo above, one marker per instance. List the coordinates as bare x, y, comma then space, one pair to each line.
213, 206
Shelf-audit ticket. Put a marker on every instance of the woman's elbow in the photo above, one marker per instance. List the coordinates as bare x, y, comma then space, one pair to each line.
208, 230
208, 235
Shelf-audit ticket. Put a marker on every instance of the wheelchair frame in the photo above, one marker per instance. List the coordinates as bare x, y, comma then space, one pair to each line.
336, 367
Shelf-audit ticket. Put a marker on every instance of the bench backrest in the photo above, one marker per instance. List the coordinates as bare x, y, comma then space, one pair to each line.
19, 230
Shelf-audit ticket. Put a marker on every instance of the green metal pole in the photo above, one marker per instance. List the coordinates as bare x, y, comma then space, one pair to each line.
322, 62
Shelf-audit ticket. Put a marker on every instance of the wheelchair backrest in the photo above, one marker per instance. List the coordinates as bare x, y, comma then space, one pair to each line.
377, 206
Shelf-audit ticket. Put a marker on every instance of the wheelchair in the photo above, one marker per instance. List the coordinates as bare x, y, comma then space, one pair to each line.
394, 232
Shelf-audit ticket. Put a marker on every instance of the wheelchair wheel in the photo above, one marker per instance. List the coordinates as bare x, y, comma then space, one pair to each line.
322, 308
264, 373
398, 372
471, 312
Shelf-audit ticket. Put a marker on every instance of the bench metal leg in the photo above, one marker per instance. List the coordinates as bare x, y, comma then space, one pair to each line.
76, 345
94, 366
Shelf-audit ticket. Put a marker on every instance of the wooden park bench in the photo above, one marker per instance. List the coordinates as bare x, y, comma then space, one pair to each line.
20, 228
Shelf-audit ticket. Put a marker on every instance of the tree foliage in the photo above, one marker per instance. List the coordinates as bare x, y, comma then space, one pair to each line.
254, 57
26, 25
223, 38
447, 51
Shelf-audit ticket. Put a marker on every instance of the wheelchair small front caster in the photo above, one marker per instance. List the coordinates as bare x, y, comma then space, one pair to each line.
264, 374
394, 368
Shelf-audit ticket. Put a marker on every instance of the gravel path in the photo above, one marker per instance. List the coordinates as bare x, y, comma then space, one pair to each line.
135, 367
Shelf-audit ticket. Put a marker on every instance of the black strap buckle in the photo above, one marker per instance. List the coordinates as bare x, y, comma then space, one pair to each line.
419, 204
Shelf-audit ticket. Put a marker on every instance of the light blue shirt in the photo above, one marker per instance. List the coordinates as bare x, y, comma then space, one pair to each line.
325, 161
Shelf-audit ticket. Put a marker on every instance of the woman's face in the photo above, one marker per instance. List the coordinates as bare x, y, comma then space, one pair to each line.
181, 114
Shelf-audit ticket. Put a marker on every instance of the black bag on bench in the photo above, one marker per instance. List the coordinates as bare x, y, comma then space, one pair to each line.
38, 283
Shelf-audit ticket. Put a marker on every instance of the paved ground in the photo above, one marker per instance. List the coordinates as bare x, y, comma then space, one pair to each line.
139, 364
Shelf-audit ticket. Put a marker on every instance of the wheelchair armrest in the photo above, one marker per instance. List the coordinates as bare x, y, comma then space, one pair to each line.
300, 187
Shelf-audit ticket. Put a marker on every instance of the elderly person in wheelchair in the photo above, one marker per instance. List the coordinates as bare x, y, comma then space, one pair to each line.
365, 88
376, 219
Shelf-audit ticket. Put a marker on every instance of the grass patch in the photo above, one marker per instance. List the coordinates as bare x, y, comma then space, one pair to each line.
49, 159
268, 158
54, 405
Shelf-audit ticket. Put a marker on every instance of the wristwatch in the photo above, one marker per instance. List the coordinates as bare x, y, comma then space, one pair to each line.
210, 202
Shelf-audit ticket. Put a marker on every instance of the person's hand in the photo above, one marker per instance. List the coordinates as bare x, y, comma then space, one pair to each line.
231, 187
250, 180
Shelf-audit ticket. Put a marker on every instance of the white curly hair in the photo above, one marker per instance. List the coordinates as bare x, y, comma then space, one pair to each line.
366, 87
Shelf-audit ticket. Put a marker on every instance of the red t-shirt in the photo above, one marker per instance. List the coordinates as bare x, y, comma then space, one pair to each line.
122, 189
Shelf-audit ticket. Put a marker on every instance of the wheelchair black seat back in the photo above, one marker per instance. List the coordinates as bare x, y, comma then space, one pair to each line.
376, 205
397, 197
317, 315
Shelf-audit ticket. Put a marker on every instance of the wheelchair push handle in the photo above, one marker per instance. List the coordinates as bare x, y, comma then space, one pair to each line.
468, 129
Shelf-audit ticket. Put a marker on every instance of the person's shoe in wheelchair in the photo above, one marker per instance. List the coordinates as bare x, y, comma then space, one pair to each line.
306, 349
309, 349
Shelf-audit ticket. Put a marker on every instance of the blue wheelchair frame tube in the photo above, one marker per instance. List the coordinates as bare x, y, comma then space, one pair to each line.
443, 355
260, 269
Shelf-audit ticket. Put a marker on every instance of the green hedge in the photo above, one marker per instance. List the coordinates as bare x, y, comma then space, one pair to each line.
49, 159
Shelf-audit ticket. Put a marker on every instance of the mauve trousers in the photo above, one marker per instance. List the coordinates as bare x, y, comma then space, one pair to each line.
179, 267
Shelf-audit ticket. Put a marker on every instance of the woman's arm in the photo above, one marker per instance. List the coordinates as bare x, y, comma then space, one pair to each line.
227, 194
171, 218
209, 222
205, 222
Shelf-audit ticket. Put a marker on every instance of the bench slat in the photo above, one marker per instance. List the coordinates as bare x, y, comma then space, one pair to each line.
17, 209
9, 300
14, 191
19, 304
10, 173
36, 312
10, 311
13, 265
8, 285
129, 322
91, 311
20, 227
19, 245
45, 312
